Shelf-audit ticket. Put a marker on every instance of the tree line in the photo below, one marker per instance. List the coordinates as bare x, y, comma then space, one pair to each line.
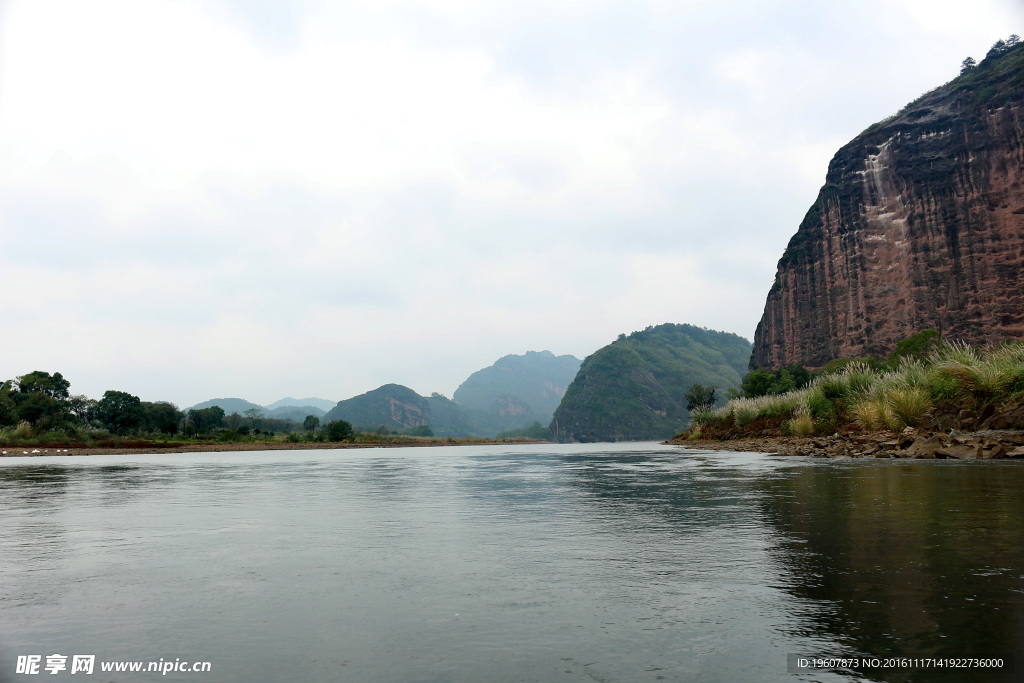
42, 403
1000, 48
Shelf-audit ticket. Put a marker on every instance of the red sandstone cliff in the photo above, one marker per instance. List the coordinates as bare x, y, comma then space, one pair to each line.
920, 225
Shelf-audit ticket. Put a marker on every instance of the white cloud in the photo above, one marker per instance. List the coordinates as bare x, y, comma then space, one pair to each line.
274, 198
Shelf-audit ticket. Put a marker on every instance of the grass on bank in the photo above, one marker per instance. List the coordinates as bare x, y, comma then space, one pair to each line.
933, 392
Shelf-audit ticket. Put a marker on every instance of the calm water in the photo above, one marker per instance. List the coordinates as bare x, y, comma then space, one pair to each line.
608, 562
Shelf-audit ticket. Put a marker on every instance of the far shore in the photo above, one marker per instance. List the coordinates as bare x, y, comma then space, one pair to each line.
39, 451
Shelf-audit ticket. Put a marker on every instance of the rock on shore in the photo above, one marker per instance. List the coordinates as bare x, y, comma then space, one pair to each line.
984, 445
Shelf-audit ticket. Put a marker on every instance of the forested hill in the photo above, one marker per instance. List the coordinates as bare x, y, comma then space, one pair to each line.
398, 408
530, 385
633, 389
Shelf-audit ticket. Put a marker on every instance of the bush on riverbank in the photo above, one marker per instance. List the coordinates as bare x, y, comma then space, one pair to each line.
956, 386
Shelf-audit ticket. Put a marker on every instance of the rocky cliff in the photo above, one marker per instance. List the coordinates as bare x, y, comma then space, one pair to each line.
920, 224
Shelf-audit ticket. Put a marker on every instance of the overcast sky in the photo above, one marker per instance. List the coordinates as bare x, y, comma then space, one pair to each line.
260, 198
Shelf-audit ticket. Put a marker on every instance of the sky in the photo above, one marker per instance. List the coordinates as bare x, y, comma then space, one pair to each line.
260, 198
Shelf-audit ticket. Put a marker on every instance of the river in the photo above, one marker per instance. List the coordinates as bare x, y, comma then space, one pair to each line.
584, 562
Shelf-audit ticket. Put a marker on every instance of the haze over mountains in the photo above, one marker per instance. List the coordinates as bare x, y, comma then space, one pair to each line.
629, 390
513, 393
530, 386
285, 409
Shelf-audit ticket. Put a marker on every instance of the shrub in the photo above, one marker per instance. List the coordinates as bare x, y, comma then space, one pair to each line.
981, 380
339, 430
819, 406
833, 387
702, 416
909, 405
802, 424
859, 379
868, 415
744, 414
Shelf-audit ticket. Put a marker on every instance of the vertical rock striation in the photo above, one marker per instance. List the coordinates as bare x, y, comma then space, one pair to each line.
920, 225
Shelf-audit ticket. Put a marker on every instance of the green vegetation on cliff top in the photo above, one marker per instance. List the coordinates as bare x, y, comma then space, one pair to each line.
635, 387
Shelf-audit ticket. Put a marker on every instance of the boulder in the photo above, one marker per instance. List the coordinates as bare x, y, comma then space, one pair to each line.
924, 447
993, 449
961, 451
1012, 418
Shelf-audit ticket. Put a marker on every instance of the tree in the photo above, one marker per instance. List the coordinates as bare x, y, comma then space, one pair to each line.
41, 398
339, 430
1013, 40
967, 65
916, 345
162, 417
119, 411
254, 415
82, 407
39, 408
699, 397
997, 50
8, 410
54, 386
204, 420
311, 423
761, 382
420, 430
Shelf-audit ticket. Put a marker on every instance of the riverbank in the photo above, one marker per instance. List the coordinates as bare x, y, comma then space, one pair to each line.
38, 451
910, 443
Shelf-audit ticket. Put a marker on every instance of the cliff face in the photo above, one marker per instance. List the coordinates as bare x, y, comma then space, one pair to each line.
920, 225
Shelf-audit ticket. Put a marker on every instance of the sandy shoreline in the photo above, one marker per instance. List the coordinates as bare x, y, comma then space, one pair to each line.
36, 451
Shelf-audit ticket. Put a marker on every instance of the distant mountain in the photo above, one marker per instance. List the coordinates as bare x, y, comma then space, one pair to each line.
229, 405
519, 388
297, 413
392, 405
633, 389
322, 403
398, 407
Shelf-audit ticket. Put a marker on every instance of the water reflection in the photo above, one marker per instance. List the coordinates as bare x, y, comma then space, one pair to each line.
661, 490
920, 559
624, 562
39, 485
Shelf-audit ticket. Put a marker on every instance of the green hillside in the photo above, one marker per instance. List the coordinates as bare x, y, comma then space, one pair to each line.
521, 389
633, 389
398, 407
392, 405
